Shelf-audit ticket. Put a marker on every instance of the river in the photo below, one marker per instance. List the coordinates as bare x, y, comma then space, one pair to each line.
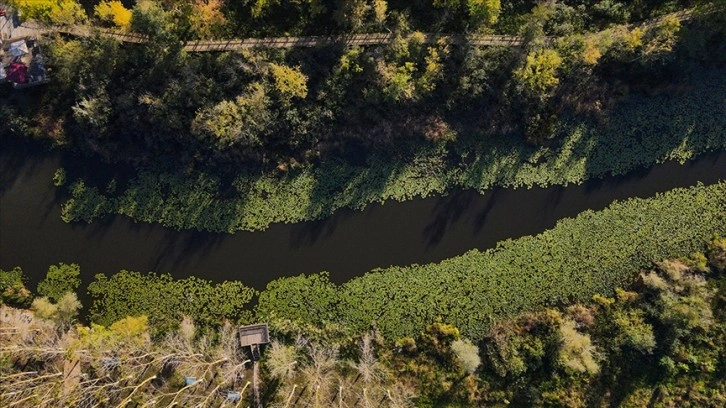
346, 244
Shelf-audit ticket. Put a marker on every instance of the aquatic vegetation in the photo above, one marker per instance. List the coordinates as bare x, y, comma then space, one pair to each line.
593, 253
639, 132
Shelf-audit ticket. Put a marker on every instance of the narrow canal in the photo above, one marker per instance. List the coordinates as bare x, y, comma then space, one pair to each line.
346, 244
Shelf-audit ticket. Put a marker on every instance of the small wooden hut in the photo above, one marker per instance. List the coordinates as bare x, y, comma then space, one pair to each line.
253, 336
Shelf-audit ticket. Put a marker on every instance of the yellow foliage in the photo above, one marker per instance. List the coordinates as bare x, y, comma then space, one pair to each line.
398, 81
63, 12
602, 300
129, 332
348, 62
539, 71
380, 10
131, 327
663, 36
591, 54
289, 82
417, 38
634, 38
433, 71
114, 12
207, 15
486, 11
625, 296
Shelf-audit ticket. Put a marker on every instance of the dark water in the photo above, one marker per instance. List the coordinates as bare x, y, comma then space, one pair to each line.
346, 244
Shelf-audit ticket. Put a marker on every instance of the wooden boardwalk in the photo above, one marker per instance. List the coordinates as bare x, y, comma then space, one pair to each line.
289, 42
349, 40
237, 44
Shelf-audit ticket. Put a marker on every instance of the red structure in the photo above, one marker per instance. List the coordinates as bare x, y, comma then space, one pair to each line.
17, 73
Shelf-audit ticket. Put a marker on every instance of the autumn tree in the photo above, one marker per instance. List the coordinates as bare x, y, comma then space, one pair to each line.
467, 353
242, 121
207, 18
62, 12
115, 13
576, 351
288, 82
538, 75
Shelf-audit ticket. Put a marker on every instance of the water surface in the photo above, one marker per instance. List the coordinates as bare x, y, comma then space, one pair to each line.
346, 244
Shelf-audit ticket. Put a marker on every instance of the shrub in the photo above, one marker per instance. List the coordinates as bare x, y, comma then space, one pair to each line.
12, 289
60, 279
166, 300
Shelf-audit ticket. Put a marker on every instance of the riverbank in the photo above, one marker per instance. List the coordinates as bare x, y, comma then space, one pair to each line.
639, 132
593, 253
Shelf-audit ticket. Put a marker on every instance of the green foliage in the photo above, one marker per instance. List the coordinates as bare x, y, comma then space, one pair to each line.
432, 360
12, 289
398, 82
59, 177
150, 18
309, 298
717, 254
238, 122
523, 274
484, 11
633, 331
542, 358
165, 300
632, 341
60, 279
639, 131
86, 203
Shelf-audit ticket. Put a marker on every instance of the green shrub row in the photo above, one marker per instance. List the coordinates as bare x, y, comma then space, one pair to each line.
166, 300
593, 253
638, 132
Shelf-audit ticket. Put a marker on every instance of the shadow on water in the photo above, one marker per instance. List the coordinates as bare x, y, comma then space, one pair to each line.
346, 244
481, 218
308, 233
447, 211
19, 160
177, 247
